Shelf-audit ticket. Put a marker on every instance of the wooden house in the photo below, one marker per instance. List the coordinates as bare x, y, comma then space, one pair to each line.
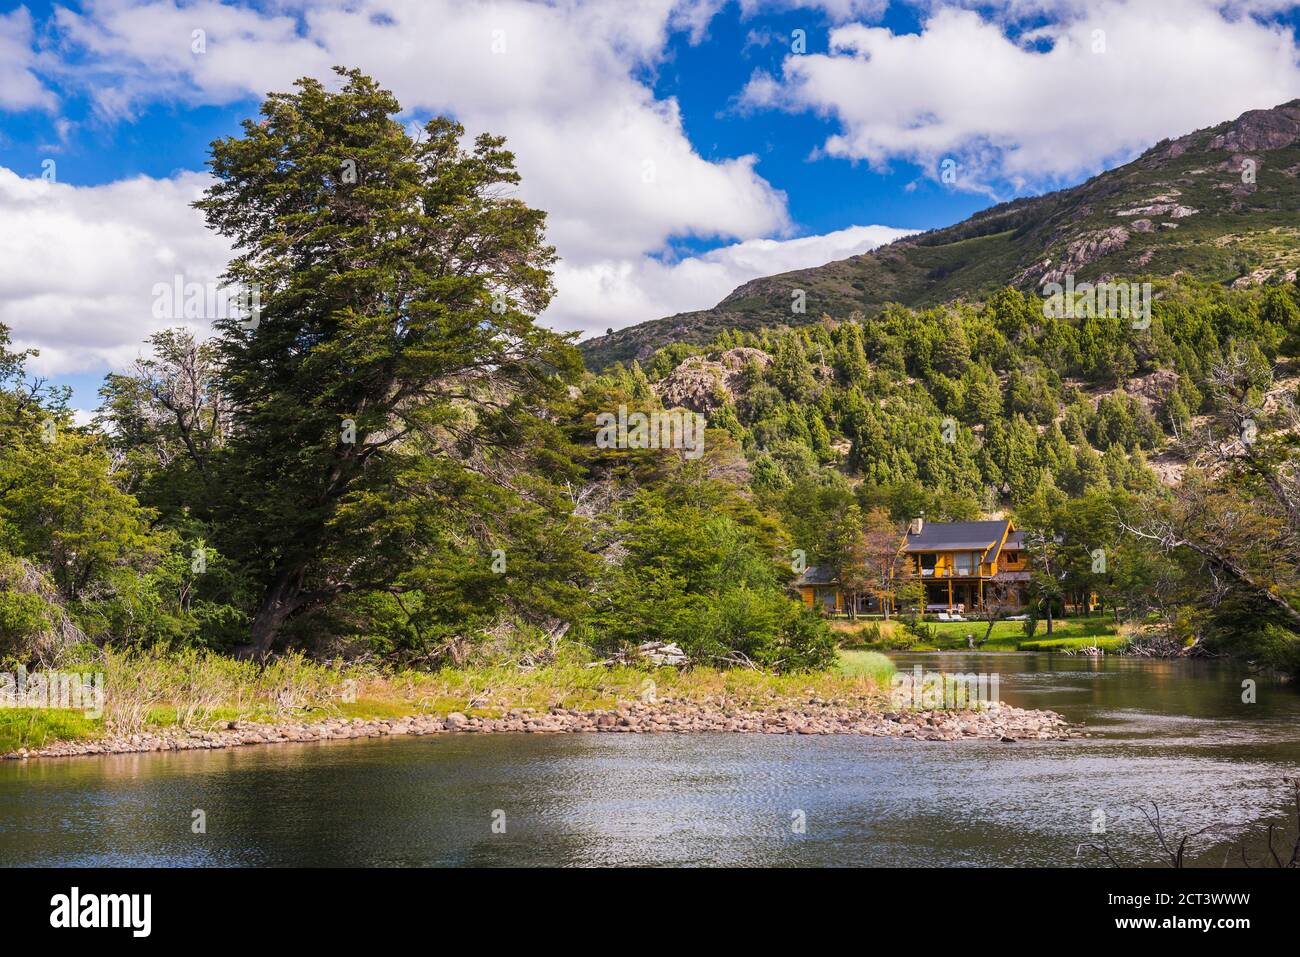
962, 566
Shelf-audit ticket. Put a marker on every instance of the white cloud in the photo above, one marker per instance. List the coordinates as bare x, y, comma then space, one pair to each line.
564, 82
613, 293
560, 81
838, 11
81, 264
19, 87
128, 53
84, 262
1117, 77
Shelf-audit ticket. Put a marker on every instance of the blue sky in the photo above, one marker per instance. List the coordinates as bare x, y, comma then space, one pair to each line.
705, 75
764, 157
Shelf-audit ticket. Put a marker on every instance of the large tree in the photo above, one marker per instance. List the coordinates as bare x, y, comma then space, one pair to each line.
395, 356
1236, 516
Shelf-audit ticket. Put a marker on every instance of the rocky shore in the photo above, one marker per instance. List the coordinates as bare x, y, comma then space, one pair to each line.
998, 722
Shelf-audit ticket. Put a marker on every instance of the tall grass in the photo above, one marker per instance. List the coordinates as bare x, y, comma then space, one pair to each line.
869, 664
194, 688
191, 686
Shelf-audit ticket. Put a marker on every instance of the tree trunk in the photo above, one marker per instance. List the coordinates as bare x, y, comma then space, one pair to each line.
282, 599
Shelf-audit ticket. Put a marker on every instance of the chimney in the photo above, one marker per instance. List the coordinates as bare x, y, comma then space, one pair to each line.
915, 525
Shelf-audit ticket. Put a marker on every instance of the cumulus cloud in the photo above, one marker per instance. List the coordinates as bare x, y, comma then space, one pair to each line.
19, 87
81, 264
564, 82
561, 81
616, 292
1033, 108
837, 11
85, 262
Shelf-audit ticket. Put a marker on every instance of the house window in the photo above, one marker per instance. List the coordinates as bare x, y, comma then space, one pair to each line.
964, 562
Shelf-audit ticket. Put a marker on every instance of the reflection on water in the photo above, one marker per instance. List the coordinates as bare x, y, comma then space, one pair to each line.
1173, 733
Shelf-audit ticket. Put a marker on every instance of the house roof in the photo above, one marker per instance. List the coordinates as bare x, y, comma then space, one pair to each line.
817, 575
1014, 541
952, 536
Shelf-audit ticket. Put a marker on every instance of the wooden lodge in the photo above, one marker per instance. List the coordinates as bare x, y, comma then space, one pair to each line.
962, 567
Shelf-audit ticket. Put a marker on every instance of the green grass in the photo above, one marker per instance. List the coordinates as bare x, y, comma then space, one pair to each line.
1067, 633
37, 727
1106, 642
498, 689
154, 689
870, 664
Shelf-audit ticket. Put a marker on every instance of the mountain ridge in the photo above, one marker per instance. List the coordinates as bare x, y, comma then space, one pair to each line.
1219, 202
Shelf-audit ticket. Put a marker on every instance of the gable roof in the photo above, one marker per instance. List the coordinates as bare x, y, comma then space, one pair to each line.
817, 575
953, 536
1013, 543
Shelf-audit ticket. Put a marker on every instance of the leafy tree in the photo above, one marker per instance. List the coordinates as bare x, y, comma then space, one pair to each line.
697, 571
1039, 519
399, 283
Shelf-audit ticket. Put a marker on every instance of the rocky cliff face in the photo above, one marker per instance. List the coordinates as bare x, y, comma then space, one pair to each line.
1220, 203
701, 384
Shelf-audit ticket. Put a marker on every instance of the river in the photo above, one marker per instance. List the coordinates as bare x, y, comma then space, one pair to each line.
1172, 733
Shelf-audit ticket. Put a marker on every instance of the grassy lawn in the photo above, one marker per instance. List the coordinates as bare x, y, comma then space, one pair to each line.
1067, 633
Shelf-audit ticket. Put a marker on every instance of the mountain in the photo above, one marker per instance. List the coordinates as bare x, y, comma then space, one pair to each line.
1220, 203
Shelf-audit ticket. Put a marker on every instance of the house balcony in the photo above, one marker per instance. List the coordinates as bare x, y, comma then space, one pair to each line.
971, 572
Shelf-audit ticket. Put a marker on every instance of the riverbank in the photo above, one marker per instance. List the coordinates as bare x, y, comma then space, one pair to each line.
996, 722
161, 702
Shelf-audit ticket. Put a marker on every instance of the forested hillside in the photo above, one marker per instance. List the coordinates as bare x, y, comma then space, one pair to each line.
1170, 448
1218, 204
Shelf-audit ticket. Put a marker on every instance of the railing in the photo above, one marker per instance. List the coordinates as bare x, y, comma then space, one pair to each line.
974, 571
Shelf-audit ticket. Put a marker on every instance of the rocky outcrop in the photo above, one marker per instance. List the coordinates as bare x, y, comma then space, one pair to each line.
1257, 130
1086, 249
697, 384
997, 722
702, 384
1153, 390
1166, 205
1257, 277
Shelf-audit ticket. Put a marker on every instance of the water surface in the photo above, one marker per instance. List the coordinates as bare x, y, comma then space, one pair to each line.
1173, 733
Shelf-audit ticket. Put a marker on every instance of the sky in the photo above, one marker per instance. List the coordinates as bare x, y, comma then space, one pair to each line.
679, 147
